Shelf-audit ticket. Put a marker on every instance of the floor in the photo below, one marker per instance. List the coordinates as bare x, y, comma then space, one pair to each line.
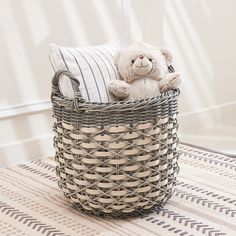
221, 137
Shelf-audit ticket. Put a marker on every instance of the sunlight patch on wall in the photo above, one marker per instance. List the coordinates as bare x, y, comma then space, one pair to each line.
8, 129
16, 51
193, 36
205, 8
11, 157
36, 19
104, 16
136, 31
181, 37
125, 20
75, 24
187, 85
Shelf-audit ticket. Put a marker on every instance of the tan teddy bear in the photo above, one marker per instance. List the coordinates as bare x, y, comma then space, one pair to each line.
143, 72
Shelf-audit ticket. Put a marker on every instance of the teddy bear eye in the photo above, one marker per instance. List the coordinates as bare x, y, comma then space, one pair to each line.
150, 59
132, 61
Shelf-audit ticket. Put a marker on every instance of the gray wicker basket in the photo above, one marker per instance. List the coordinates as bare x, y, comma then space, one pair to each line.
115, 159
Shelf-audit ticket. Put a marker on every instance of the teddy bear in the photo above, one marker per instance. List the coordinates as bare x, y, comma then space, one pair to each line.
143, 72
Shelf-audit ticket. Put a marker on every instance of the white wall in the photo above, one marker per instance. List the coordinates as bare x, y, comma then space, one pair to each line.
200, 33
26, 28
202, 37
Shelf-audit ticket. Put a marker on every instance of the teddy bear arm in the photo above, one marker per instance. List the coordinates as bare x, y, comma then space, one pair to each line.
170, 81
119, 89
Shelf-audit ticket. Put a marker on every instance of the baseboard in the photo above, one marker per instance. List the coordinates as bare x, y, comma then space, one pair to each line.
25, 150
207, 117
25, 109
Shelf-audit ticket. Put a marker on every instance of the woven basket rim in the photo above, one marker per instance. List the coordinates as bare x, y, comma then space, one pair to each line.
80, 104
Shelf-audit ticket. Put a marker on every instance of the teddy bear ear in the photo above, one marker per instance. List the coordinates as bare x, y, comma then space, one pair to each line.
116, 58
168, 56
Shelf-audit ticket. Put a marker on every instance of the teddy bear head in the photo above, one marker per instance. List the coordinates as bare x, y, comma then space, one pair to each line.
142, 60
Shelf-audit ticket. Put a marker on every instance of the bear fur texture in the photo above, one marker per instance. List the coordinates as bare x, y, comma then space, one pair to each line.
143, 72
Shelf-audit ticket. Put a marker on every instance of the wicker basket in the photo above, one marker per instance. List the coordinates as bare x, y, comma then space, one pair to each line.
115, 159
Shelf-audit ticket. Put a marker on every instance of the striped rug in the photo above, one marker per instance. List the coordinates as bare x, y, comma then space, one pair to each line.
203, 203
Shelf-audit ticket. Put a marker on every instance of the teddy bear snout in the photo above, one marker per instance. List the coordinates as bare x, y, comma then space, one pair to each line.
141, 56
142, 61
142, 66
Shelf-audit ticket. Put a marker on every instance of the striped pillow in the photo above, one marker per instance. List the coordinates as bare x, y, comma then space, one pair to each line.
94, 67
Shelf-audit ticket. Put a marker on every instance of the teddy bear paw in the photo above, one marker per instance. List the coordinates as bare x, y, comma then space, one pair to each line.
123, 91
119, 88
175, 81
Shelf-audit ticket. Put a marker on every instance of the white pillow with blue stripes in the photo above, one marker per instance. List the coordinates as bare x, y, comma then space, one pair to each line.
93, 66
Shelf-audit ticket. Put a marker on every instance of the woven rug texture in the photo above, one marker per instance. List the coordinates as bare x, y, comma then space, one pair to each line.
203, 202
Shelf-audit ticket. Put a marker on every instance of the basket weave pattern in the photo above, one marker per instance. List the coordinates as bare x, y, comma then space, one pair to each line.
116, 158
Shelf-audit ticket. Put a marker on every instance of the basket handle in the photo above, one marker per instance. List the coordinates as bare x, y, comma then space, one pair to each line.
73, 83
171, 69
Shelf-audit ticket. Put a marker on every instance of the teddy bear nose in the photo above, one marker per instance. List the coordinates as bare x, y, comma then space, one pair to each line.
141, 56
